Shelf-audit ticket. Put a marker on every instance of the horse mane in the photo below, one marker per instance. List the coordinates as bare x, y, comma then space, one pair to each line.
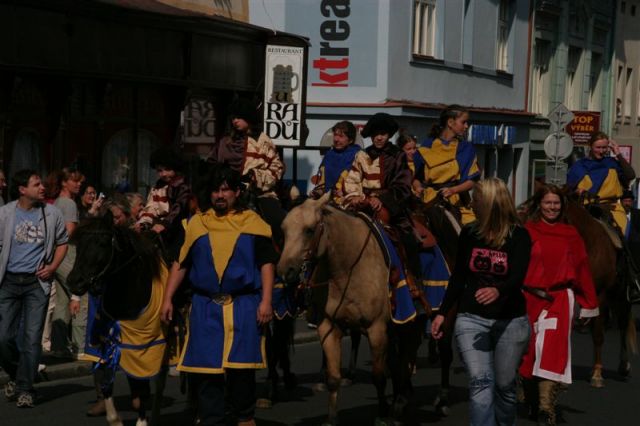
149, 260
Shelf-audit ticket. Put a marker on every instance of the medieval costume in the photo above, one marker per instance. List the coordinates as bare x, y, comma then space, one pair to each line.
558, 275
605, 178
334, 169
443, 163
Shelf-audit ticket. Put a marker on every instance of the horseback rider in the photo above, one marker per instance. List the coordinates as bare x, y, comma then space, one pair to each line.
337, 162
446, 164
254, 156
602, 176
380, 181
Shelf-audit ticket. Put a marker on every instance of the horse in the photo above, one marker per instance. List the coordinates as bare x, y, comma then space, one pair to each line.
609, 284
350, 258
127, 273
610, 287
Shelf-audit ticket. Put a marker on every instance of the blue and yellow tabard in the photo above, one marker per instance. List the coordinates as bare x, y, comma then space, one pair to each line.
334, 168
223, 329
439, 162
602, 178
141, 342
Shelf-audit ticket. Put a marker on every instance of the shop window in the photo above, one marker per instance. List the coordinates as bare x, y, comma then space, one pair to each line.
117, 172
424, 28
26, 152
504, 28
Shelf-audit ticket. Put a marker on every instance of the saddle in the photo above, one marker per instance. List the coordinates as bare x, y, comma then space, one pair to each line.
602, 214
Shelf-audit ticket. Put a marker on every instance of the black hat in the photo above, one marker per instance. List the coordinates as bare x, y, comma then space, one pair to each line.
245, 109
627, 194
167, 157
380, 123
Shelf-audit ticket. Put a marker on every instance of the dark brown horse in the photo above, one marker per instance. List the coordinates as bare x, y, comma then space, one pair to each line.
610, 287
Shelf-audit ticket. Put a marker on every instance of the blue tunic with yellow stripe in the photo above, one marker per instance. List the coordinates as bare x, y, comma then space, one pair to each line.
603, 178
439, 162
335, 166
223, 329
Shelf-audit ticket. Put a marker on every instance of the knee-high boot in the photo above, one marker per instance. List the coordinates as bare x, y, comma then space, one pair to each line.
548, 396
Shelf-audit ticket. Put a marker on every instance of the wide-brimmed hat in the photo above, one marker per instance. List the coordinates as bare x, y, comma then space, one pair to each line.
244, 109
380, 123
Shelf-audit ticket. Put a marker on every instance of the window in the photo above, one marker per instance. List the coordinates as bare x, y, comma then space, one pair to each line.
628, 94
572, 89
467, 33
117, 169
541, 77
424, 28
502, 51
619, 91
595, 82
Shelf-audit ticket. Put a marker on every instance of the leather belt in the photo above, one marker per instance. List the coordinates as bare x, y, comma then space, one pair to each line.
544, 294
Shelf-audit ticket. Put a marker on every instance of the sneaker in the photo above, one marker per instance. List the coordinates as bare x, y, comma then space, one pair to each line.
25, 400
10, 390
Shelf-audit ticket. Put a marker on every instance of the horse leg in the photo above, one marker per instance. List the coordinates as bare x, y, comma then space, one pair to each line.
445, 348
141, 390
161, 382
112, 416
356, 336
378, 339
627, 327
330, 337
408, 339
597, 335
271, 384
283, 336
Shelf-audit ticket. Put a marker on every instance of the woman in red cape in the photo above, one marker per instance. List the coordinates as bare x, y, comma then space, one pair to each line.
558, 276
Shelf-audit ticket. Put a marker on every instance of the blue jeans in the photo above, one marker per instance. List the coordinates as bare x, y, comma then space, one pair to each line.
492, 350
23, 305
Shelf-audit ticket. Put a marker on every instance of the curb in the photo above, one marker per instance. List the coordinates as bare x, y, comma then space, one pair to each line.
73, 369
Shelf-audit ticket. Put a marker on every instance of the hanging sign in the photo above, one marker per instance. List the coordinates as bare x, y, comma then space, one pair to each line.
284, 80
584, 125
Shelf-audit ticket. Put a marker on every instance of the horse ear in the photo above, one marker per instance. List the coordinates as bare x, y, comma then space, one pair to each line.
324, 199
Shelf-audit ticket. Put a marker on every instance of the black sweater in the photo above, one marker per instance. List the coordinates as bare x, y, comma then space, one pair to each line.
478, 265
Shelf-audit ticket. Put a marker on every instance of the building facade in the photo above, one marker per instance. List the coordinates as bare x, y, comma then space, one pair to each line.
571, 64
410, 58
100, 84
625, 120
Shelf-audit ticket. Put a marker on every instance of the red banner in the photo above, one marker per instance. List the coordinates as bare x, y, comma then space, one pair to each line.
583, 126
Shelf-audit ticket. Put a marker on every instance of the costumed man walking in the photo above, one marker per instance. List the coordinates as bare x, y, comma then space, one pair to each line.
230, 261
632, 241
33, 243
558, 275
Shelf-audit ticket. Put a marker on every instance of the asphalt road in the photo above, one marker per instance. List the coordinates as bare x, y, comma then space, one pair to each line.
64, 402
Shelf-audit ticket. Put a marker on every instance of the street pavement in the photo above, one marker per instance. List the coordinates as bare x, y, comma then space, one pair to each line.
63, 402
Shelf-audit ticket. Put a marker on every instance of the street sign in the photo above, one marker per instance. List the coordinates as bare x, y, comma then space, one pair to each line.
556, 173
558, 145
559, 117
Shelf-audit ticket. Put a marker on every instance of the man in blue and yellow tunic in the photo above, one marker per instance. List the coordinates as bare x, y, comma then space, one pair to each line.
230, 260
603, 176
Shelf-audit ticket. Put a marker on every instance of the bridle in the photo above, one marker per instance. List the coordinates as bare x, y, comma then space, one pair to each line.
95, 279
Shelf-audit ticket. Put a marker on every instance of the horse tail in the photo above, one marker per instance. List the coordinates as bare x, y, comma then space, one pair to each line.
631, 335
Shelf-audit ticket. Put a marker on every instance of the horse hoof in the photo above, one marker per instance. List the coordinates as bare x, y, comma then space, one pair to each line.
624, 369
264, 403
346, 382
597, 382
320, 387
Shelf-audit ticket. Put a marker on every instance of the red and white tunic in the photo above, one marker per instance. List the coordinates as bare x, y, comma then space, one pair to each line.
559, 265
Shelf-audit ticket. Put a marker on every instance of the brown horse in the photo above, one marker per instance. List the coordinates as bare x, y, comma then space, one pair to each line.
352, 261
610, 288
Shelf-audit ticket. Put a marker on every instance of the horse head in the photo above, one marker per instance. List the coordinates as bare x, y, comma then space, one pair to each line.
303, 234
96, 245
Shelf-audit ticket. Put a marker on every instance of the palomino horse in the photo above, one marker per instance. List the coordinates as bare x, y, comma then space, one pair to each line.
126, 271
358, 299
611, 291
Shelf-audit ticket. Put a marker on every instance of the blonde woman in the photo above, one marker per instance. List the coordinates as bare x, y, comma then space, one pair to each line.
491, 327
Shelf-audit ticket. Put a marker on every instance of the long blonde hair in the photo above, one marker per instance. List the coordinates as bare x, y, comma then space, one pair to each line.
495, 211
